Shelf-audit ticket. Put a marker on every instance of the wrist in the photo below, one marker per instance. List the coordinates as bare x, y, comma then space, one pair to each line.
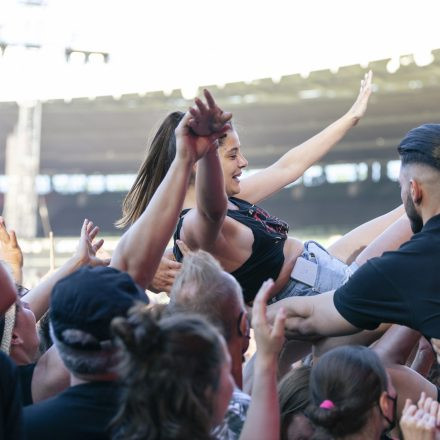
350, 118
267, 363
76, 262
183, 160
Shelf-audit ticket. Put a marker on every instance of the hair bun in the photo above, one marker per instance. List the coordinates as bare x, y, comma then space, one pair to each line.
326, 418
139, 333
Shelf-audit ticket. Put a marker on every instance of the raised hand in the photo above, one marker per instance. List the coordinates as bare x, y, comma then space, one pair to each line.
360, 105
200, 128
269, 339
10, 251
87, 249
419, 422
208, 119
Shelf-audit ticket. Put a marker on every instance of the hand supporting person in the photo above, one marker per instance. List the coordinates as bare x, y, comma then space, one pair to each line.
168, 269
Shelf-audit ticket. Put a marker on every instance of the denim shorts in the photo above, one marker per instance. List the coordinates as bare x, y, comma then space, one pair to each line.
331, 273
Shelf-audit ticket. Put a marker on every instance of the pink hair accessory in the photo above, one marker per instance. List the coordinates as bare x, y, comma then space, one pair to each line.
327, 404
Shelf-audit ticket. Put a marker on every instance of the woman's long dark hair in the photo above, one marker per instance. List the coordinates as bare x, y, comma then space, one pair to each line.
167, 370
353, 379
159, 157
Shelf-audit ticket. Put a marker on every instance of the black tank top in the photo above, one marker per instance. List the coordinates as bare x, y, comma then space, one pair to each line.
267, 255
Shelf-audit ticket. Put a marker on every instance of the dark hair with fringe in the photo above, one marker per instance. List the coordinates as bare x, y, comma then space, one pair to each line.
167, 369
353, 378
422, 145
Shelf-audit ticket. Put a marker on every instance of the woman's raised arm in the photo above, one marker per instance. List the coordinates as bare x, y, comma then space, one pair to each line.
296, 161
141, 248
203, 224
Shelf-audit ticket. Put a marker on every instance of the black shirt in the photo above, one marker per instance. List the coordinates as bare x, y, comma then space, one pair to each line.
81, 412
267, 255
10, 400
401, 287
25, 374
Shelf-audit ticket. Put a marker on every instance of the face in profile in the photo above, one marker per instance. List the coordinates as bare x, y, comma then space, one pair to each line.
232, 161
415, 218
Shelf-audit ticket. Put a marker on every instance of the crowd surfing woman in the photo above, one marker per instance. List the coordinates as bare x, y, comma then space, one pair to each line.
158, 404
352, 396
221, 214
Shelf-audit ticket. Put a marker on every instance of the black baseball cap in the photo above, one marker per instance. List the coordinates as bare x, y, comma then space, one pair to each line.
88, 300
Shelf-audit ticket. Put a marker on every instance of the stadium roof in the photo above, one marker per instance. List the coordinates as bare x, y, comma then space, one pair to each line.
108, 135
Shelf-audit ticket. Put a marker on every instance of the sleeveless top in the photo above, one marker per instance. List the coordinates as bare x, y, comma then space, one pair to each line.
267, 257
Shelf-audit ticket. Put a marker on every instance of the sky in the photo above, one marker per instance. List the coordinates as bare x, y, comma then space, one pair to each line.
169, 44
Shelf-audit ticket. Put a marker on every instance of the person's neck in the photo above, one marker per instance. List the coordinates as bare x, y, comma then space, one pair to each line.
429, 212
79, 380
368, 433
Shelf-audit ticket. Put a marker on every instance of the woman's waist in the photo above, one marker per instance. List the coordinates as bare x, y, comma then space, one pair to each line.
293, 248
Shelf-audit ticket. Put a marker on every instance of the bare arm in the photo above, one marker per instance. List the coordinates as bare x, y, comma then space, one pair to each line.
203, 224
395, 346
39, 297
312, 316
263, 417
296, 161
141, 248
8, 293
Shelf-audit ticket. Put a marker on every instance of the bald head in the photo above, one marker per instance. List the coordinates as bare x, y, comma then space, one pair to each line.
203, 287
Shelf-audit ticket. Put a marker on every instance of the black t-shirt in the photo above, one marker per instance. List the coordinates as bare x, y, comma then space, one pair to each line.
10, 400
81, 412
25, 373
400, 287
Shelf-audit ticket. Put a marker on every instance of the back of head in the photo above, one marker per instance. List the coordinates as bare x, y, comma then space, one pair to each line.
421, 145
294, 396
82, 307
203, 287
350, 381
160, 155
167, 369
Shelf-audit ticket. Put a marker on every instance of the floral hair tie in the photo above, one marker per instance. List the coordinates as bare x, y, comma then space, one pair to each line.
327, 404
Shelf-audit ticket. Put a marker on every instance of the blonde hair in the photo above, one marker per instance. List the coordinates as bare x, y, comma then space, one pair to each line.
203, 287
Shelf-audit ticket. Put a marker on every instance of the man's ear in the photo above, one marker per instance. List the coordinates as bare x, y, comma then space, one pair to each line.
416, 191
16, 339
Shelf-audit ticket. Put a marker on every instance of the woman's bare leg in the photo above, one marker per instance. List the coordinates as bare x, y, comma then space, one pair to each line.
390, 239
355, 242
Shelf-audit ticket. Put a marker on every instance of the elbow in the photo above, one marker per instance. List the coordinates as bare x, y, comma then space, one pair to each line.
216, 215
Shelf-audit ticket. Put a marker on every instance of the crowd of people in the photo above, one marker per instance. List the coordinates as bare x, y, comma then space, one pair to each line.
343, 339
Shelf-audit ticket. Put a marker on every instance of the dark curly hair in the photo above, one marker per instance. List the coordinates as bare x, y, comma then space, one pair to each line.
353, 378
167, 369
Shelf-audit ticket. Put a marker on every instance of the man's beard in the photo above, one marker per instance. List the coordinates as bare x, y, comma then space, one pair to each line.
415, 219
